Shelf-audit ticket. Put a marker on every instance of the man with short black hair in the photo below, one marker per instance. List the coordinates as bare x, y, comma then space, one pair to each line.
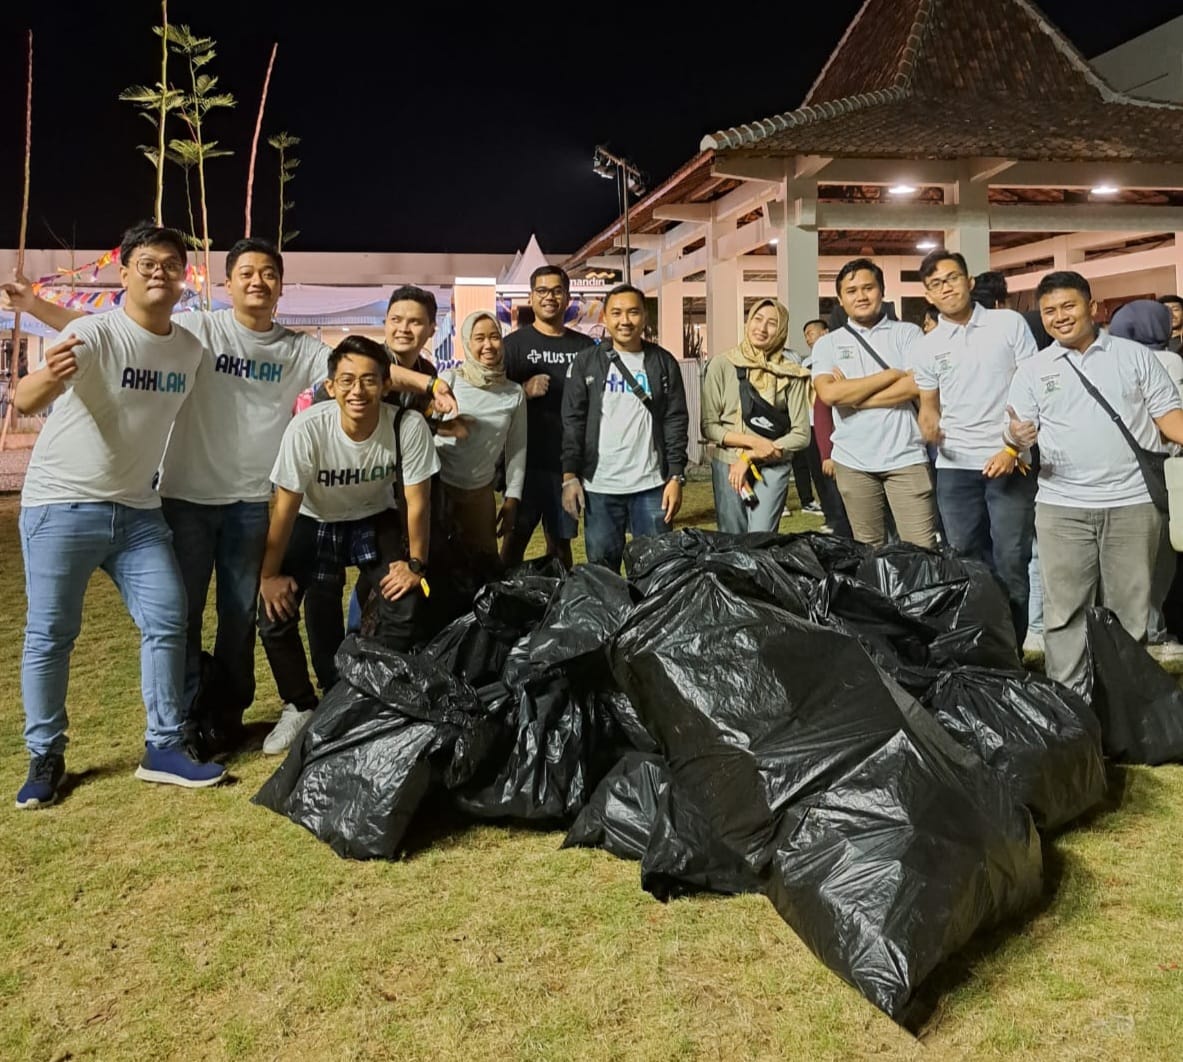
963, 368
1175, 304
537, 356
1098, 529
626, 430
860, 371
118, 381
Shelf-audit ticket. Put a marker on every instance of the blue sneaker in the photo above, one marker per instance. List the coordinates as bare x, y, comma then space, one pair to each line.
45, 776
176, 767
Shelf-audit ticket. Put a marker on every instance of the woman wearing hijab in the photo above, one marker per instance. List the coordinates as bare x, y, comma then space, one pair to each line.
755, 409
1148, 322
493, 423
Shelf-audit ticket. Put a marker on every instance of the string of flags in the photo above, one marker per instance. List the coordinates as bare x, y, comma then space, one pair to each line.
49, 287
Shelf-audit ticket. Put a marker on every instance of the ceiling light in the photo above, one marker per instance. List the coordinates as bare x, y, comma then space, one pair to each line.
1105, 189
902, 189
774, 241
927, 245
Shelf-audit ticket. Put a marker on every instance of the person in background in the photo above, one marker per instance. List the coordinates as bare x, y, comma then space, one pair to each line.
626, 431
1148, 322
1175, 304
537, 356
755, 402
932, 317
495, 419
990, 291
807, 471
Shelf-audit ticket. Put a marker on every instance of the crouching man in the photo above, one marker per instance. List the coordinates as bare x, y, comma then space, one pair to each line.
334, 508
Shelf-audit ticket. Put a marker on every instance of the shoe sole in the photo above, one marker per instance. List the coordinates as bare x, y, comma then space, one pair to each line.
34, 804
164, 778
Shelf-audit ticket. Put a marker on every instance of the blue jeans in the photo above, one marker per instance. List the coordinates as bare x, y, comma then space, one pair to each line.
229, 540
735, 518
992, 520
62, 546
608, 516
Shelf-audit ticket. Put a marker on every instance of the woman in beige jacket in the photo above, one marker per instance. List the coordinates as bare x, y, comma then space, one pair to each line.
755, 409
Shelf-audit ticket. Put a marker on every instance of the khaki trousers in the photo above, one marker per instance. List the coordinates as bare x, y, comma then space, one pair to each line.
907, 490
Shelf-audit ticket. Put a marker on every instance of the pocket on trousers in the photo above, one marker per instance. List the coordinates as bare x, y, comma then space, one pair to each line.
33, 519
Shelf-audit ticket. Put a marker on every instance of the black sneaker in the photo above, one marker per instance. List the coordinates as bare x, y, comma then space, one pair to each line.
45, 777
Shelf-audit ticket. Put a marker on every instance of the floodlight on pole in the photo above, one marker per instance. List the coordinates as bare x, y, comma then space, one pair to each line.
628, 179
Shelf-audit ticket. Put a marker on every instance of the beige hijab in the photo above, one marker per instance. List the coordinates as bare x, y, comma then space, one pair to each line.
472, 368
769, 372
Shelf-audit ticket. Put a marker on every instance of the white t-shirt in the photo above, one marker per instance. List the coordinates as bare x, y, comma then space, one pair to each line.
871, 440
1085, 462
971, 365
346, 480
498, 425
226, 438
106, 434
628, 460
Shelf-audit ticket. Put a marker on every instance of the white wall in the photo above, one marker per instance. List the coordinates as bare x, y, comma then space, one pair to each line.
1150, 65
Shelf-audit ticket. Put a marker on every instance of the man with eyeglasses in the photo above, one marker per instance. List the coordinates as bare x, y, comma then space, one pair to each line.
338, 463
215, 478
118, 380
963, 368
861, 371
537, 356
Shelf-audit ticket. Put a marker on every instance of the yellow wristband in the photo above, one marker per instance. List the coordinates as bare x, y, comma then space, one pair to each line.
1012, 451
431, 385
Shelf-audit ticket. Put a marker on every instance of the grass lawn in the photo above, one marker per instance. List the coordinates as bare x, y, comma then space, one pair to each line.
146, 922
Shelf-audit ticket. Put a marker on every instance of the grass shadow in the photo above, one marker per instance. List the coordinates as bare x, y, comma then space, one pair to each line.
75, 779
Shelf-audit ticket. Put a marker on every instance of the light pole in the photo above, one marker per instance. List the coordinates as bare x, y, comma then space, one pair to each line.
628, 179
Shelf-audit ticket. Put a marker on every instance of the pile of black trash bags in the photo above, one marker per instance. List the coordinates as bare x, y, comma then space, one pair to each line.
847, 731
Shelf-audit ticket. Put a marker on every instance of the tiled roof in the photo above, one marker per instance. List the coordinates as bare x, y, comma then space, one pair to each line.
950, 79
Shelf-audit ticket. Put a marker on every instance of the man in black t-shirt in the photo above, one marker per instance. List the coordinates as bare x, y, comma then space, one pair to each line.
537, 356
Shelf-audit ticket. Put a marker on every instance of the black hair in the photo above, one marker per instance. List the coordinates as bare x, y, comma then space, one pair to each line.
1061, 280
254, 245
931, 311
815, 321
410, 293
147, 233
624, 289
1168, 300
929, 263
990, 290
551, 271
856, 265
362, 348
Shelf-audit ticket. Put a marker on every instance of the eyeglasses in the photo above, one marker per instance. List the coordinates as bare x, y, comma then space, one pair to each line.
949, 280
552, 293
368, 382
170, 267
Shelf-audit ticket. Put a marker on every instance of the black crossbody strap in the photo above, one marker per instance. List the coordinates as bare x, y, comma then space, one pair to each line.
1131, 442
866, 346
631, 380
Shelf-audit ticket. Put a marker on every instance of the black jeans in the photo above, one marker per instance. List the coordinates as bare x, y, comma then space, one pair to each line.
397, 626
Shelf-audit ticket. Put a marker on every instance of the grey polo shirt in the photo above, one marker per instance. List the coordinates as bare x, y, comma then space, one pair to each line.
1085, 462
871, 440
971, 366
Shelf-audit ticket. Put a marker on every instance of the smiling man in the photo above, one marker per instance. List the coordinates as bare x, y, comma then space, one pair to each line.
118, 381
963, 368
1098, 529
337, 464
860, 370
625, 433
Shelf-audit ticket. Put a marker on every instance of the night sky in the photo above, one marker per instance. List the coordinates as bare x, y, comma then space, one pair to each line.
422, 129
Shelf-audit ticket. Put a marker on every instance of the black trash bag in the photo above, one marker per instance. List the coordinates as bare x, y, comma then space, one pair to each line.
620, 815
468, 650
584, 614
1140, 706
959, 599
510, 608
893, 867
1038, 734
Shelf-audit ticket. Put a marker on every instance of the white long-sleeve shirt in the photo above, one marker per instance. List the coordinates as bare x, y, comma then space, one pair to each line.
498, 425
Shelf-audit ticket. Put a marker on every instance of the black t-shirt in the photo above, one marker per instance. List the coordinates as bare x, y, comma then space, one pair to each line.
527, 353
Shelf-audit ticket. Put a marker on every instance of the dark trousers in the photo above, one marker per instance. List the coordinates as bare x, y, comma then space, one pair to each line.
397, 621
608, 516
807, 470
992, 520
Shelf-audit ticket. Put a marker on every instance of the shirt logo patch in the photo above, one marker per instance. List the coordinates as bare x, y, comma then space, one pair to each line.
349, 477
153, 380
616, 384
549, 357
248, 368
944, 361
846, 353
1050, 383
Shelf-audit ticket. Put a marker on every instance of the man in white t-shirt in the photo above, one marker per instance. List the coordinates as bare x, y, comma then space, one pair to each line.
964, 367
118, 381
215, 478
625, 433
1098, 529
338, 464
860, 370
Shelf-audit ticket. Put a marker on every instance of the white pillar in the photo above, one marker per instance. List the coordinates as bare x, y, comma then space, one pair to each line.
722, 278
795, 220
893, 282
1065, 255
1178, 265
972, 235
669, 304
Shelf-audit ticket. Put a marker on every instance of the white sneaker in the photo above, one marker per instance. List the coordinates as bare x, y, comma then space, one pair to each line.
288, 730
1033, 643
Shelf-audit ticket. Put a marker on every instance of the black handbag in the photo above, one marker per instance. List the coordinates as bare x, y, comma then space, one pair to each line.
1150, 462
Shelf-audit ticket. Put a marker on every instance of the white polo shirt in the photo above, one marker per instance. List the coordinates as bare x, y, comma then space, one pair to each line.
1085, 462
871, 440
972, 365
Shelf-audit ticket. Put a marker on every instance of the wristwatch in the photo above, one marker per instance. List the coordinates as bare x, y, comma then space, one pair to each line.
416, 565
681, 480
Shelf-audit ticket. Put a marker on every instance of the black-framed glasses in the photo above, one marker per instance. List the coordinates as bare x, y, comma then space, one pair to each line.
949, 280
173, 268
554, 293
